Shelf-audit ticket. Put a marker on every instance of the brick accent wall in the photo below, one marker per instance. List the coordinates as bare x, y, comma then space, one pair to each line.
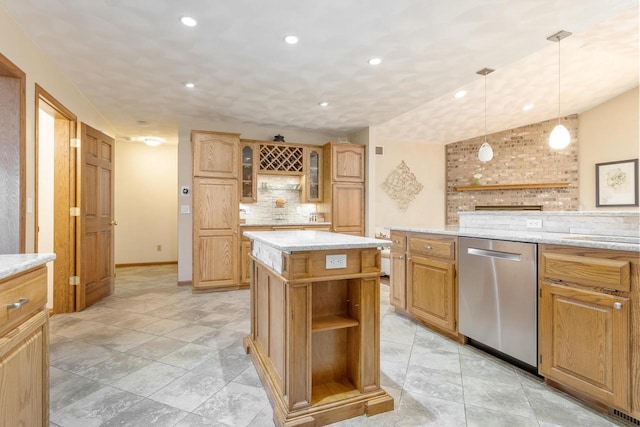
520, 156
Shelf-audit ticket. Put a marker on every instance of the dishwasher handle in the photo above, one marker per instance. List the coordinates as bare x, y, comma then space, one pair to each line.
494, 254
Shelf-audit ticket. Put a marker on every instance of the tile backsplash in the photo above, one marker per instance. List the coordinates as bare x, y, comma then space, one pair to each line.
279, 200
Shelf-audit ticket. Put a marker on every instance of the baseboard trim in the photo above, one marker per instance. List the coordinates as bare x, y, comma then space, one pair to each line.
185, 283
146, 264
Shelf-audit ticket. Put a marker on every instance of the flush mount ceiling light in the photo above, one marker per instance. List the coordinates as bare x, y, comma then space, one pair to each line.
486, 152
189, 85
560, 137
188, 21
375, 61
323, 104
291, 39
528, 107
152, 141
460, 94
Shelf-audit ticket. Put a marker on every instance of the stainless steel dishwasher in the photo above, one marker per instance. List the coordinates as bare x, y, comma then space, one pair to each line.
497, 298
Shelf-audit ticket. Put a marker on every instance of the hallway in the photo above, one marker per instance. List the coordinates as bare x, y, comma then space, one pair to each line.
155, 354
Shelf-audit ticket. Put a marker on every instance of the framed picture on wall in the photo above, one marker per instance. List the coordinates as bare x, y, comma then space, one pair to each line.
617, 183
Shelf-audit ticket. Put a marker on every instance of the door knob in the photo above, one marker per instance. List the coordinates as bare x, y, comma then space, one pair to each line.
113, 222
617, 305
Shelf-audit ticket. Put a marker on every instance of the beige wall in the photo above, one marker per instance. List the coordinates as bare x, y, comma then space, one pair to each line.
607, 133
427, 163
20, 50
146, 206
185, 167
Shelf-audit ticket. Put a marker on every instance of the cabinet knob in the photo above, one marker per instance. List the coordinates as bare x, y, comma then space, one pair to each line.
617, 305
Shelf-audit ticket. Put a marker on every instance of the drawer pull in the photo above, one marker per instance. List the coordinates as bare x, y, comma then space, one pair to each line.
617, 305
428, 247
396, 241
400, 257
20, 303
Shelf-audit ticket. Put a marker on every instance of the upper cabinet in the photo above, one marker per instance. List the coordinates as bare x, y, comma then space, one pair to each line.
286, 159
313, 175
348, 162
215, 154
248, 171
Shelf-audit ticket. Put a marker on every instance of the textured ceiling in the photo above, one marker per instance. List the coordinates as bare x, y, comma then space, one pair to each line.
130, 58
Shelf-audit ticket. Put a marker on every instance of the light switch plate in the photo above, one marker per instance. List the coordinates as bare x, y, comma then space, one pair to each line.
336, 261
185, 209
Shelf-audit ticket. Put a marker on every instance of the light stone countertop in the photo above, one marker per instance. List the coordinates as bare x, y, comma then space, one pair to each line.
619, 243
18, 263
311, 240
282, 224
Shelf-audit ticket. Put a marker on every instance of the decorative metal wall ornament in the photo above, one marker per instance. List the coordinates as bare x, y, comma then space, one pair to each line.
402, 186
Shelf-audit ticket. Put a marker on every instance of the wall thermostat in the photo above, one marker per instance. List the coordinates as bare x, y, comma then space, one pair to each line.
184, 190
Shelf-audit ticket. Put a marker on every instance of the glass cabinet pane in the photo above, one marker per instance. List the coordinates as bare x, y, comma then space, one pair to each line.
314, 164
247, 172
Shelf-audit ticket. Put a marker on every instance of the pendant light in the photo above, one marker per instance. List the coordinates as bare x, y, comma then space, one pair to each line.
560, 137
486, 152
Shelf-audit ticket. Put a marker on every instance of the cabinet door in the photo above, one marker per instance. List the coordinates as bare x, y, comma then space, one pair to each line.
431, 291
215, 233
313, 175
347, 163
348, 208
584, 342
398, 280
248, 171
24, 367
215, 155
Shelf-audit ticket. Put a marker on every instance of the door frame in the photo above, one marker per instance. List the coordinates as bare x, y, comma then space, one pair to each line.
9, 69
64, 227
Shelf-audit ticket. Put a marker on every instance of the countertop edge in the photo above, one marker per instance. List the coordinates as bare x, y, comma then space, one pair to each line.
363, 243
13, 264
563, 239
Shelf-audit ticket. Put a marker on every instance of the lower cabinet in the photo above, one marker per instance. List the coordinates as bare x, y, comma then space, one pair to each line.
431, 291
584, 342
24, 350
588, 326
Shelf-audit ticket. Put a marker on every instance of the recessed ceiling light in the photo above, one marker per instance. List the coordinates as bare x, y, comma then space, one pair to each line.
291, 39
528, 107
324, 104
188, 21
460, 94
153, 141
190, 85
375, 61
143, 123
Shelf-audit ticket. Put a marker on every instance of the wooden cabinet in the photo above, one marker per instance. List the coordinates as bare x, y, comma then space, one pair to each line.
215, 211
248, 171
24, 350
344, 188
398, 264
426, 286
586, 320
313, 175
215, 154
315, 337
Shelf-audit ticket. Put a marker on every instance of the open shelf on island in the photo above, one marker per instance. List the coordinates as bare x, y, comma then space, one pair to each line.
333, 392
327, 323
493, 187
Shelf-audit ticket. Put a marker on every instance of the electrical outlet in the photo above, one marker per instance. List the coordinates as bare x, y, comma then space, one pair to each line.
336, 261
534, 223
159, 248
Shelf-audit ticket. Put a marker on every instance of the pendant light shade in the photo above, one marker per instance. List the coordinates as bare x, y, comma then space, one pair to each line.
485, 153
560, 136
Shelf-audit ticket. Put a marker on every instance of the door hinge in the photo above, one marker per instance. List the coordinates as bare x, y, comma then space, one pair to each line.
74, 211
74, 142
540, 292
74, 280
540, 359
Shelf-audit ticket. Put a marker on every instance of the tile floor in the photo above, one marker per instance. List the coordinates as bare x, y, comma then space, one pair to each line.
154, 354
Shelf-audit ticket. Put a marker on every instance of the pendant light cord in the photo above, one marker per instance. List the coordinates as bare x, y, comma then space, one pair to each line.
559, 80
485, 108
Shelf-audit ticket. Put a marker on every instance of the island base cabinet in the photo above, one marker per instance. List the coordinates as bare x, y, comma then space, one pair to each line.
584, 342
315, 345
24, 373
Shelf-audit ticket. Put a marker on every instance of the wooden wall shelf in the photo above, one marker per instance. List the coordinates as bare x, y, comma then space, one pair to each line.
512, 186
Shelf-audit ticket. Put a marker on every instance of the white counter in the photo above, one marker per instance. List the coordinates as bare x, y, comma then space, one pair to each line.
620, 243
17, 263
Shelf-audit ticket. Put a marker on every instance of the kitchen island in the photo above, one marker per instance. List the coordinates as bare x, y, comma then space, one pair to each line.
24, 340
315, 325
